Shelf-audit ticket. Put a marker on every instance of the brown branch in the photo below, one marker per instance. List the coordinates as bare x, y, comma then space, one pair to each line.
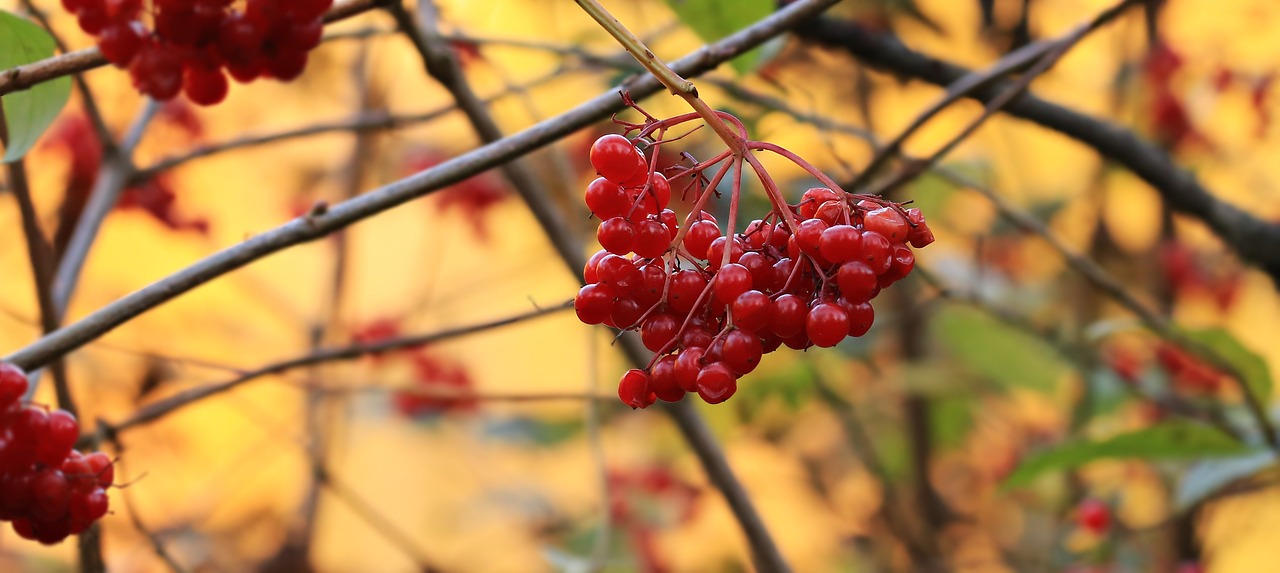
1254, 240
156, 410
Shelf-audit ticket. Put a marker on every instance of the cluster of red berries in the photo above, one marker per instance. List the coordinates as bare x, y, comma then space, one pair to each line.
446, 385
192, 41
48, 490
1186, 371
711, 315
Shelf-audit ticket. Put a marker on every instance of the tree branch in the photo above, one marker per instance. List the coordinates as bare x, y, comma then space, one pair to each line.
1254, 240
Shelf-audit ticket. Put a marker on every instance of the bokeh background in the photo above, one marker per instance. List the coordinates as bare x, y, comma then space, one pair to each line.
492, 483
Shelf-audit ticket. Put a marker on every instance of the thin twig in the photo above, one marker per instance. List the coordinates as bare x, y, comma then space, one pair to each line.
159, 409
1257, 241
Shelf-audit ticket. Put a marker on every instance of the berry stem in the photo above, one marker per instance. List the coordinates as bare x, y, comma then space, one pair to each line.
669, 78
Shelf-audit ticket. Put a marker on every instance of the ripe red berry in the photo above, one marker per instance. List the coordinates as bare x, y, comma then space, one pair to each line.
876, 252
652, 239
742, 351
13, 384
204, 85
634, 391
687, 367
752, 311
789, 315
593, 304
606, 199
731, 281
840, 243
715, 252
658, 331
809, 234
857, 282
619, 274
157, 72
827, 324
888, 222
60, 436
614, 157
716, 383
1093, 515
662, 380
120, 42
861, 316
101, 467
813, 198
699, 238
686, 287
617, 235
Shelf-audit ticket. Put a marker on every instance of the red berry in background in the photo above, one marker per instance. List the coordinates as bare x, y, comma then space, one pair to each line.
121, 41
634, 391
204, 85
157, 72
102, 467
1093, 515
614, 157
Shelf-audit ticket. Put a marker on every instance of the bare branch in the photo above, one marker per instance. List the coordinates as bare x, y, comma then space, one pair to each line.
1255, 240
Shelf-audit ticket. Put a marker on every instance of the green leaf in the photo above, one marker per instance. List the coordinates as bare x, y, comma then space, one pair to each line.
1257, 377
28, 113
715, 19
997, 351
1172, 440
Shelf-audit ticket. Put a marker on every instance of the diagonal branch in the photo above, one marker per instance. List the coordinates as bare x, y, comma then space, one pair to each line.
1254, 240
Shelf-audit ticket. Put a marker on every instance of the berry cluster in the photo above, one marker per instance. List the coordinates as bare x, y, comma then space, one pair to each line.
442, 385
47, 489
711, 305
1186, 371
190, 42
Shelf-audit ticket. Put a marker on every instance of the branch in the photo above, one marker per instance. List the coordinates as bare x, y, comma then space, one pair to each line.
23, 77
1254, 240
162, 408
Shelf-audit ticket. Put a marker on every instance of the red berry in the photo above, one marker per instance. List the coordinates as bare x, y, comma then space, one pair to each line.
614, 157
715, 252
157, 71
888, 222
626, 312
1093, 515
652, 239
731, 281
619, 274
742, 351
120, 42
861, 316
840, 243
716, 383
686, 287
877, 253
101, 467
652, 280
857, 282
688, 365
50, 493
593, 304
606, 199
617, 235
634, 391
827, 324
589, 273
699, 238
752, 311
13, 385
287, 65
658, 331
789, 315
813, 198
809, 234
662, 380
204, 85
61, 435
920, 236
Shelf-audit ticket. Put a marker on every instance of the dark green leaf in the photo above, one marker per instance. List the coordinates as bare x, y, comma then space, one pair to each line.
28, 113
998, 351
1257, 377
715, 19
1171, 440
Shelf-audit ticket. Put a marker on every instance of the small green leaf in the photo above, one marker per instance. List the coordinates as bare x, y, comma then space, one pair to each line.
1257, 377
1172, 440
715, 19
28, 113
997, 351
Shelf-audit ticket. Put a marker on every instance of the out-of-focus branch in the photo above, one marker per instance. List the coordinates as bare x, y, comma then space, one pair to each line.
23, 77
159, 409
1254, 240
368, 121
